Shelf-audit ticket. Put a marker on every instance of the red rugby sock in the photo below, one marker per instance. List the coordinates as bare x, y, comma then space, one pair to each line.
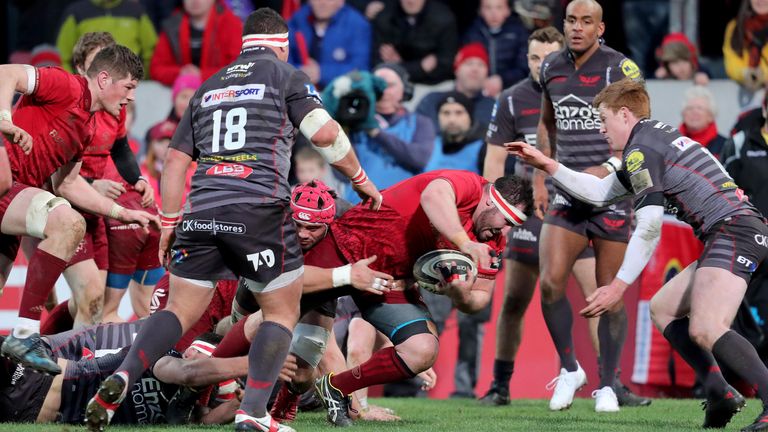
43, 271
59, 320
384, 366
234, 343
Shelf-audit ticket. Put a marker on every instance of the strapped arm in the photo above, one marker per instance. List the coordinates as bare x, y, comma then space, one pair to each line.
596, 191
643, 242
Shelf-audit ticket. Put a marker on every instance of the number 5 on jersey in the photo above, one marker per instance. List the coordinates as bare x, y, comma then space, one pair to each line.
234, 136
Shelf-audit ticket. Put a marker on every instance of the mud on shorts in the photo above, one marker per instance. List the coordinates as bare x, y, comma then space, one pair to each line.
94, 243
737, 244
255, 241
523, 243
613, 223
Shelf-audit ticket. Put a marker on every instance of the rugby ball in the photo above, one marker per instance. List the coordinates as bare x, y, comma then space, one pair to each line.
426, 269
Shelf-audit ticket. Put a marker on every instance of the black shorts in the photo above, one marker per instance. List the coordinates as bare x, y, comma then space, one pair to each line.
737, 244
258, 242
612, 223
523, 243
22, 392
324, 304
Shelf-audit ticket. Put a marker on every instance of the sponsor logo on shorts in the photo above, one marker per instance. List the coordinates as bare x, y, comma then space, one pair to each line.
574, 113
561, 201
263, 258
229, 170
213, 226
178, 255
233, 94
761, 240
614, 223
17, 374
524, 235
756, 153
749, 264
154, 303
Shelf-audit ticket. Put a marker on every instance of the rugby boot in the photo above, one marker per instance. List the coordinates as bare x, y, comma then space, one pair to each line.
605, 400
566, 385
719, 411
180, 407
495, 396
102, 406
760, 423
286, 405
245, 422
30, 352
335, 402
627, 398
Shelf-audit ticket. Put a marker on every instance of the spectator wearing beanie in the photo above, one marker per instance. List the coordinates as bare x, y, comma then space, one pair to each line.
678, 60
184, 87
471, 69
201, 38
459, 140
506, 39
44, 56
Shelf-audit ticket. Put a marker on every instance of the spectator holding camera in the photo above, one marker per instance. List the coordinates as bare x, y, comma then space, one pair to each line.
744, 48
401, 143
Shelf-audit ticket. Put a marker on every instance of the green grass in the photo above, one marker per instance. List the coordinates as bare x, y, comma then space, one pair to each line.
420, 415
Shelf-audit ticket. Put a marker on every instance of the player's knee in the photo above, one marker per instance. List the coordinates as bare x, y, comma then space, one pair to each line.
419, 352
514, 306
309, 343
701, 332
552, 288
358, 352
66, 224
659, 316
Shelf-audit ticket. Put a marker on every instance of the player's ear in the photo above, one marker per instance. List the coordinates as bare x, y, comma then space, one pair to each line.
102, 79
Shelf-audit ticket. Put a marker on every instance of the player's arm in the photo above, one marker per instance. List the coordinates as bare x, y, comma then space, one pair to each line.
438, 200
495, 159
501, 128
201, 371
359, 275
68, 183
15, 78
585, 187
475, 298
128, 168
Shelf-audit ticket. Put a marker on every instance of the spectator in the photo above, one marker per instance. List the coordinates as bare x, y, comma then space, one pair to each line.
536, 14
126, 20
679, 60
320, 35
505, 38
401, 145
460, 140
309, 165
699, 113
471, 66
420, 35
159, 10
45, 55
369, 8
744, 48
645, 24
158, 139
201, 38
184, 87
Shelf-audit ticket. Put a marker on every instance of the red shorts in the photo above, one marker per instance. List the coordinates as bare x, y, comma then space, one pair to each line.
94, 243
131, 248
9, 244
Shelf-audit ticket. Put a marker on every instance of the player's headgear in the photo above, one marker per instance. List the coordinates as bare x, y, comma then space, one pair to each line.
312, 202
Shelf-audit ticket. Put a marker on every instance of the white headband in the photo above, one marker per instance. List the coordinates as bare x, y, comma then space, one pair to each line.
274, 40
510, 212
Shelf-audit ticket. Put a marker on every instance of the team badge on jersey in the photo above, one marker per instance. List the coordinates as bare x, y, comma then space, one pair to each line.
634, 160
630, 69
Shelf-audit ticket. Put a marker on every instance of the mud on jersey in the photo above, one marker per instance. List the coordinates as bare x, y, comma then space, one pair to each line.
240, 127
662, 167
579, 142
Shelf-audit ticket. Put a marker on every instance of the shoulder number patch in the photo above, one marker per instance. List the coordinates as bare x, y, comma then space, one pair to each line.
630, 69
634, 160
641, 181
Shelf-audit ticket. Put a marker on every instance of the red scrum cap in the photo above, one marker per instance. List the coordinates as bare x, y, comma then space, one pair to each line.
312, 202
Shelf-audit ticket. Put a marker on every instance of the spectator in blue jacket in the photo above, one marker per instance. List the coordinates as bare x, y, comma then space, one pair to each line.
329, 39
506, 40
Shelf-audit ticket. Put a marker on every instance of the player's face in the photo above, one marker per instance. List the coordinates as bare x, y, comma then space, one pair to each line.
583, 27
115, 93
310, 234
454, 119
324, 10
489, 224
471, 75
615, 127
182, 101
536, 53
697, 114
494, 12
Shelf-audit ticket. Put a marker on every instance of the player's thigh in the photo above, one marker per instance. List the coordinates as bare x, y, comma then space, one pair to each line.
188, 299
398, 321
27, 210
715, 298
584, 272
281, 304
559, 247
673, 300
609, 255
519, 284
361, 339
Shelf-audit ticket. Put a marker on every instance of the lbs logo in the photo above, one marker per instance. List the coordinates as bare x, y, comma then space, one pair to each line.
229, 170
233, 94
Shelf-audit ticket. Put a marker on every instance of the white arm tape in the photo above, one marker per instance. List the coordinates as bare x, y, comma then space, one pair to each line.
37, 212
613, 164
342, 276
316, 119
31, 79
593, 190
643, 242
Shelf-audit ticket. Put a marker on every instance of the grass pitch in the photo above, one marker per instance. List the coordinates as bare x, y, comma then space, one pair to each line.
424, 415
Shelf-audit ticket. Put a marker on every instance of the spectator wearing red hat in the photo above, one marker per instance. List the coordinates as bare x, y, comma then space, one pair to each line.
505, 38
678, 60
471, 68
45, 55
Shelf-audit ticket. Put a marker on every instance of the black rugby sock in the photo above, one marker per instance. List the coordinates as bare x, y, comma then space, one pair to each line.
265, 360
502, 373
559, 319
739, 355
702, 361
612, 331
158, 335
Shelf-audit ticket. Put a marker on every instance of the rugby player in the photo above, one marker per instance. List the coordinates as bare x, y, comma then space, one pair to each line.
56, 111
694, 310
570, 79
240, 127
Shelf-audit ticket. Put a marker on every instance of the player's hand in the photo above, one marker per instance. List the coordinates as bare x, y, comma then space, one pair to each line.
147, 192
16, 135
108, 188
540, 195
604, 299
480, 253
370, 194
288, 372
366, 279
454, 284
379, 414
140, 217
167, 237
528, 154
429, 378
